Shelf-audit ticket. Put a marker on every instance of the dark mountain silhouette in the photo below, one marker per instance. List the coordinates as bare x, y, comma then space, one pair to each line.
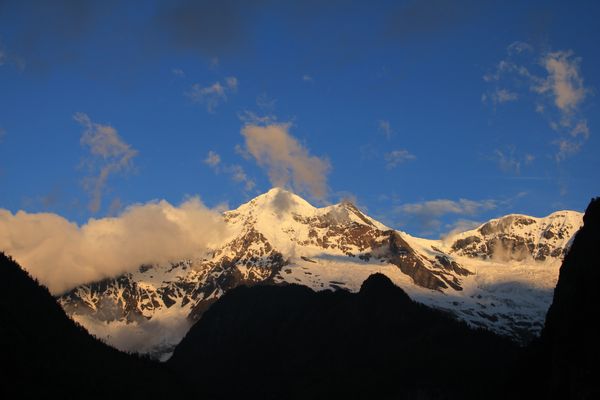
571, 335
567, 355
292, 342
46, 353
563, 363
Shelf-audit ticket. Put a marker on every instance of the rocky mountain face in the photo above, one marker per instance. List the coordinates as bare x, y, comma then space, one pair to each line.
498, 276
520, 238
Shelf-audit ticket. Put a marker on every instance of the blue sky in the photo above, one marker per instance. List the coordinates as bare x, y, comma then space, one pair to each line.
428, 114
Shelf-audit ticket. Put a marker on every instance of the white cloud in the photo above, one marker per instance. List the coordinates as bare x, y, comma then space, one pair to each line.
529, 158
307, 78
212, 159
581, 129
507, 161
214, 63
395, 157
519, 47
265, 103
213, 95
503, 96
385, 128
558, 88
62, 255
236, 172
109, 155
428, 213
287, 162
232, 82
563, 81
441, 207
459, 226
566, 148
252, 118
499, 96
178, 72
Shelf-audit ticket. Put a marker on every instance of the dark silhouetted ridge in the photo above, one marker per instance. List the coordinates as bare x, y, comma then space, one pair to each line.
291, 342
570, 336
564, 362
45, 352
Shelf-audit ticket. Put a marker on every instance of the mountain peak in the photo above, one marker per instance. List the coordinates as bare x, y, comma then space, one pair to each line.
278, 200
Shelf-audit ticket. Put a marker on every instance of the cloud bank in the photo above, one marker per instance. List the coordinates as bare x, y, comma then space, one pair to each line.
287, 162
62, 255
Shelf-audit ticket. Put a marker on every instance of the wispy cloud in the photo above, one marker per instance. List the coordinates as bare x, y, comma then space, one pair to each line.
287, 162
238, 174
508, 161
109, 155
555, 79
212, 159
566, 149
213, 95
428, 214
232, 83
459, 226
499, 96
178, 72
307, 78
518, 48
440, 207
235, 171
385, 128
265, 103
395, 157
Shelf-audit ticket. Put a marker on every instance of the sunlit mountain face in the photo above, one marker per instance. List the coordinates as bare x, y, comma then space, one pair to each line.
499, 276
411, 175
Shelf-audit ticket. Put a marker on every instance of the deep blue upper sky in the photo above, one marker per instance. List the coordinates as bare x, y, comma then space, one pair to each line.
429, 113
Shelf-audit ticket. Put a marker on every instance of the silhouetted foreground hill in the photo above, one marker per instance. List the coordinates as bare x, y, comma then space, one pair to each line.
571, 338
43, 352
564, 363
290, 342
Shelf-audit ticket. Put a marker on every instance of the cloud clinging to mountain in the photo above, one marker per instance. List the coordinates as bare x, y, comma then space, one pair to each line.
62, 255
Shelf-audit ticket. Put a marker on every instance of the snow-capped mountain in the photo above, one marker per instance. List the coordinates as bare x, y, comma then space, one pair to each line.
500, 275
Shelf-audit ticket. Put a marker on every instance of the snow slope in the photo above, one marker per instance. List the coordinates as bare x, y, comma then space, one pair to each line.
500, 275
